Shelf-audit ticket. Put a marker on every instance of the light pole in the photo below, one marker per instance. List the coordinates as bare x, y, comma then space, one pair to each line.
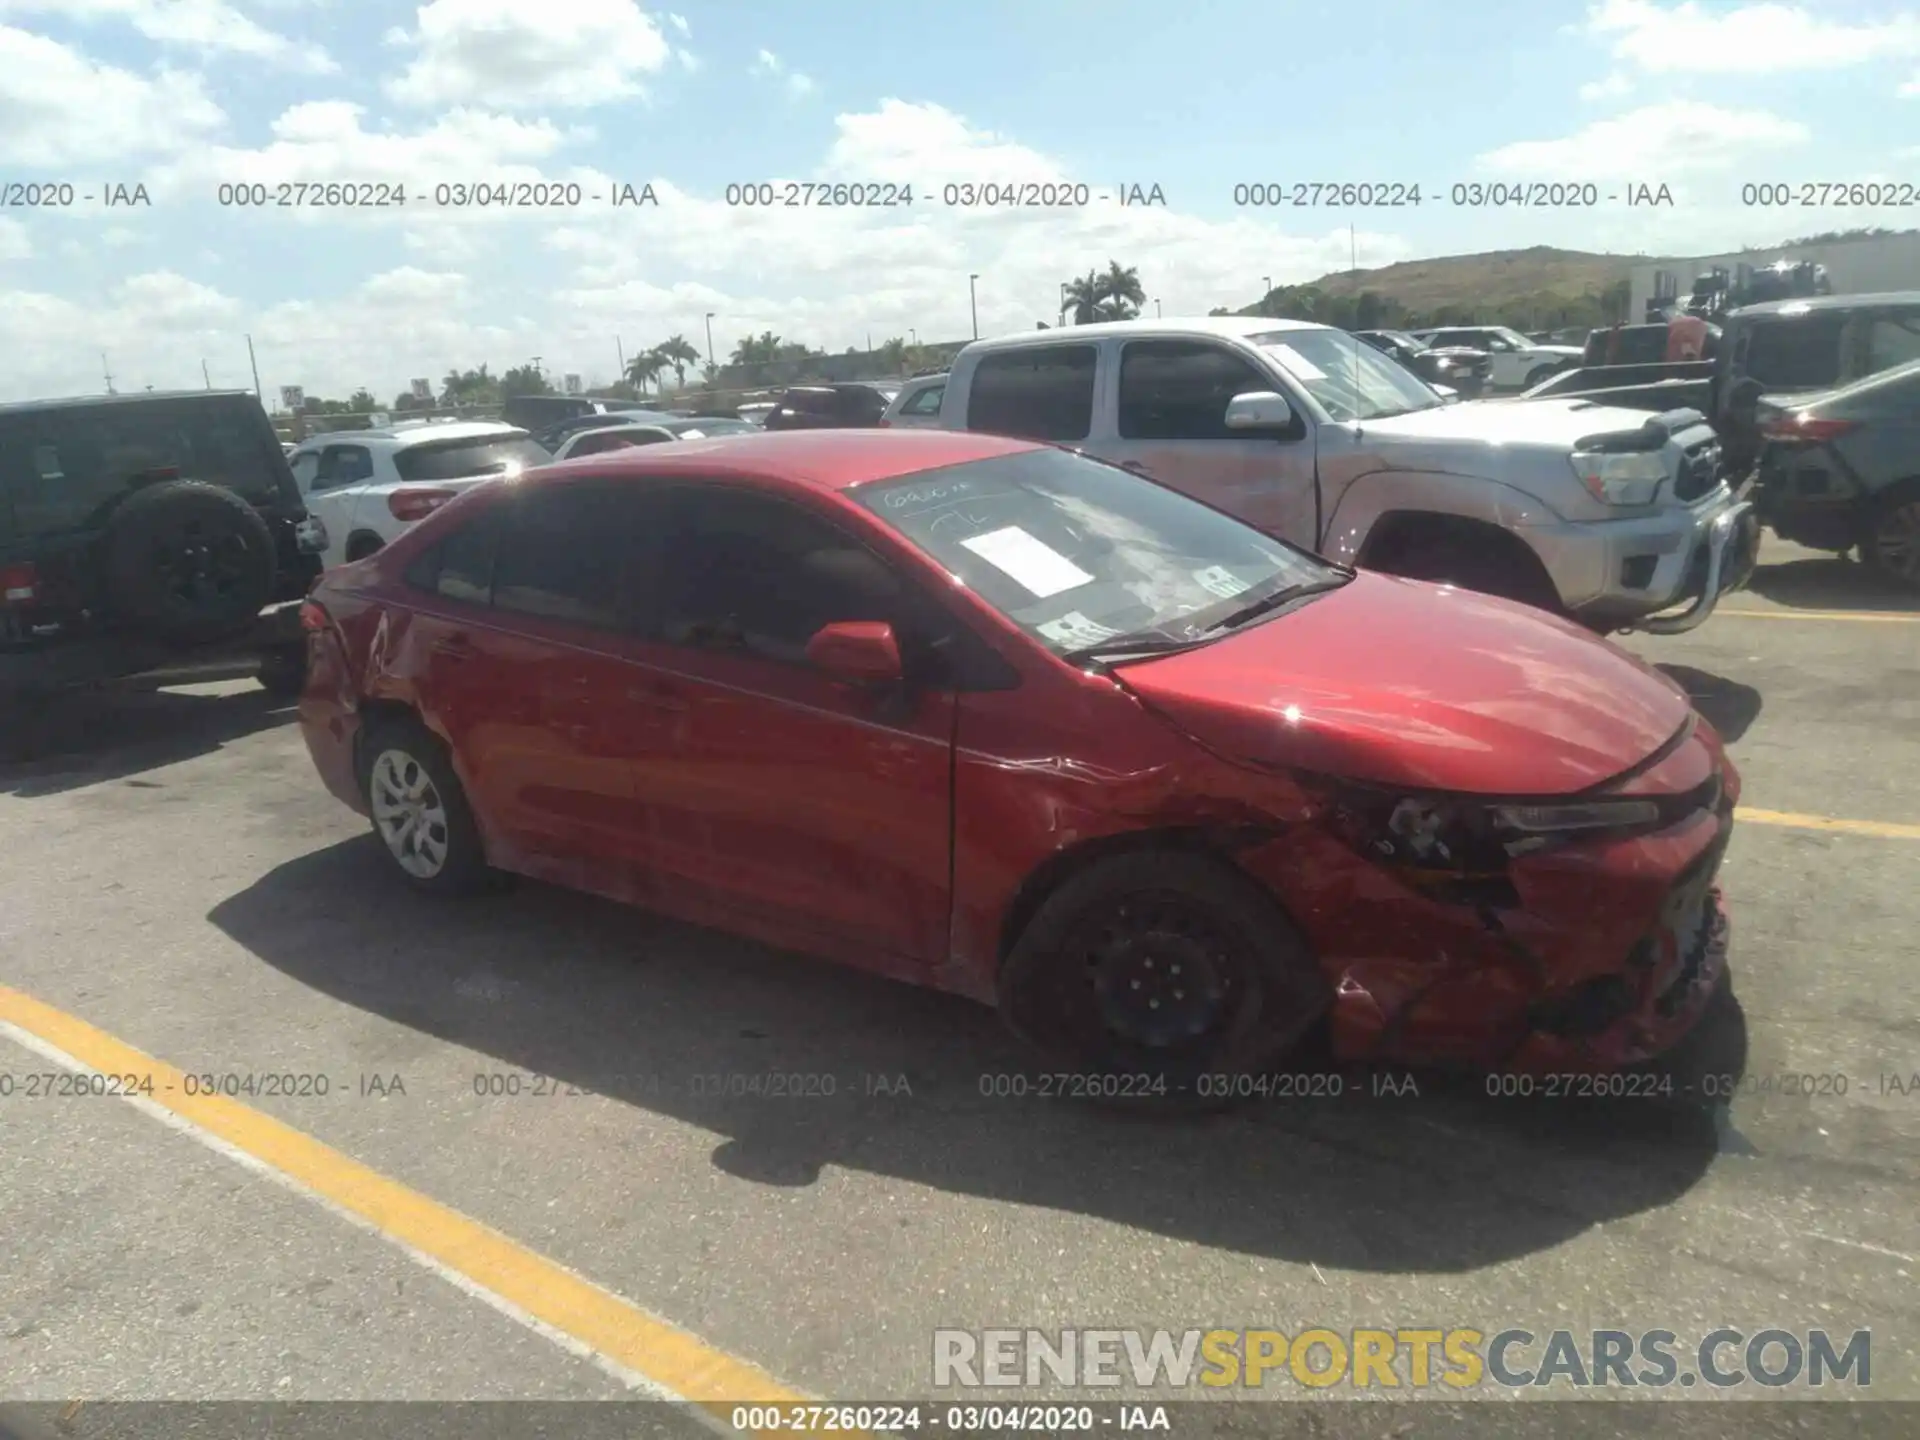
1266, 289
1063, 302
1156, 308
973, 304
710, 315
916, 336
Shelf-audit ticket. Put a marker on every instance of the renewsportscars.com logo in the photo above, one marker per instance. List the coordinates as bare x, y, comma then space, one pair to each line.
1385, 1359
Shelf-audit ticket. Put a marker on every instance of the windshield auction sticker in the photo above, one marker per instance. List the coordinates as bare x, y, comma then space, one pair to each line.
1030, 562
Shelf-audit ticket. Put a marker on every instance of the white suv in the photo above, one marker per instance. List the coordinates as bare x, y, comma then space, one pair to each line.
917, 406
364, 487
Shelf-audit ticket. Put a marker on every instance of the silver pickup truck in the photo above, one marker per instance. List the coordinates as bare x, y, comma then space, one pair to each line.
1615, 518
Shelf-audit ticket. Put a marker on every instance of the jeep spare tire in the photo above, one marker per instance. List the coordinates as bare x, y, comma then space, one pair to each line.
188, 562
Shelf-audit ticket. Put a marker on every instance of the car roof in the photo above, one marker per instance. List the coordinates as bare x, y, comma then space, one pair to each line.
822, 459
1224, 325
66, 402
417, 432
1828, 302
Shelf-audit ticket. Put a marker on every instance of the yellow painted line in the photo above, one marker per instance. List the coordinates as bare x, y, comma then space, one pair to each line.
1876, 617
662, 1356
1787, 819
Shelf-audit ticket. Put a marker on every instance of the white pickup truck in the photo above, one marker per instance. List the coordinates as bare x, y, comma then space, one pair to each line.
1609, 516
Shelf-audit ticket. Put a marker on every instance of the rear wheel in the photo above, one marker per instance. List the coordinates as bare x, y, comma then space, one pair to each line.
420, 812
1539, 375
1157, 978
364, 544
188, 562
1891, 545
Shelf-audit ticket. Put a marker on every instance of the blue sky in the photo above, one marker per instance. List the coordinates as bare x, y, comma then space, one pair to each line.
185, 95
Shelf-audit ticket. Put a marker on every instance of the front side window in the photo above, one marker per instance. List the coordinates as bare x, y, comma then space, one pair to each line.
1180, 389
748, 572
1042, 392
1351, 381
1078, 553
343, 465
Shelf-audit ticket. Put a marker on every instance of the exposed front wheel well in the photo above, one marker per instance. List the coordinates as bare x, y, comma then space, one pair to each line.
1456, 549
1057, 869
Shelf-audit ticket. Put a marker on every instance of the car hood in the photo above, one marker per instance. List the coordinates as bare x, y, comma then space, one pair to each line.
1548, 423
1398, 682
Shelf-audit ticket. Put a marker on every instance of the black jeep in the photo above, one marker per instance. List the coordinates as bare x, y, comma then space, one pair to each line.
148, 534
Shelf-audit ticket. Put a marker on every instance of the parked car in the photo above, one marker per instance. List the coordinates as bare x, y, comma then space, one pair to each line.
917, 406
703, 427
1603, 515
1168, 791
365, 487
556, 435
1456, 369
755, 412
1766, 355
1518, 363
1842, 469
534, 413
831, 407
145, 534
1682, 338
611, 437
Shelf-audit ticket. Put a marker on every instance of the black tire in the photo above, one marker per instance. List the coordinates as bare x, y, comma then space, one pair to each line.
188, 562
1073, 983
1539, 375
1447, 557
1890, 544
362, 545
416, 754
283, 671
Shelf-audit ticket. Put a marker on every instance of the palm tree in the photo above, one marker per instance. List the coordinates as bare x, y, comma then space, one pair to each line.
1121, 291
757, 349
893, 355
678, 352
1083, 297
644, 368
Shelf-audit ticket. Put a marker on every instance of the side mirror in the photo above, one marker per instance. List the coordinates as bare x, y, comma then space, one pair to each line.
1259, 410
861, 652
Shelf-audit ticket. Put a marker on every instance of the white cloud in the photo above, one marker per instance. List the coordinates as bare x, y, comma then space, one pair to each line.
1756, 39
514, 54
679, 22
1652, 142
1614, 86
689, 61
202, 25
1911, 90
58, 107
15, 243
770, 66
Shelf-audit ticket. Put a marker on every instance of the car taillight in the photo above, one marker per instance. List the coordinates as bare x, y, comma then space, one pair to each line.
313, 617
417, 503
1806, 428
19, 584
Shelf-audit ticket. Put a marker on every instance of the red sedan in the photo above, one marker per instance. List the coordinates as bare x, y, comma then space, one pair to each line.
997, 718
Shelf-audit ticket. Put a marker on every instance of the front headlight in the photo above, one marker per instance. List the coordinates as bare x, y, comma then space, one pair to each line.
1621, 478
1551, 819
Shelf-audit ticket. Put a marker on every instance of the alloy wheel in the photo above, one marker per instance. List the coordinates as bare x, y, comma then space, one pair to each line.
409, 813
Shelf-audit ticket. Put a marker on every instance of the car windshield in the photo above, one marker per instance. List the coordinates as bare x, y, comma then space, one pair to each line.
1512, 337
465, 458
1400, 337
1081, 554
1351, 380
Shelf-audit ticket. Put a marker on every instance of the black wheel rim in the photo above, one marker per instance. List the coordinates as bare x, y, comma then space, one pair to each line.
1161, 975
203, 565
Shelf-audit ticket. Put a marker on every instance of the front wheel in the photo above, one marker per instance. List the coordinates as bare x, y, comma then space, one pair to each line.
1161, 977
420, 812
1539, 375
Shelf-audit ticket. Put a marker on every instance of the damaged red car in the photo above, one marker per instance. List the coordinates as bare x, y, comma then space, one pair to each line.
997, 718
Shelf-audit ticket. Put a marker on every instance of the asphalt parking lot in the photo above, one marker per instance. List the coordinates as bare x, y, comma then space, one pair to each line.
518, 1186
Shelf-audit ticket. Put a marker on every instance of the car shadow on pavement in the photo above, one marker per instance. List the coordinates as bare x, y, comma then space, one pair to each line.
63, 742
1730, 707
1831, 583
661, 1016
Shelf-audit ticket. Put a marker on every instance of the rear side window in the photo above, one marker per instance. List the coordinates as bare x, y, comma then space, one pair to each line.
1044, 392
1802, 353
1893, 340
566, 553
464, 459
862, 406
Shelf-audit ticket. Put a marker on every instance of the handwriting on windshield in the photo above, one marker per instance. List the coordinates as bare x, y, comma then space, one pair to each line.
918, 495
